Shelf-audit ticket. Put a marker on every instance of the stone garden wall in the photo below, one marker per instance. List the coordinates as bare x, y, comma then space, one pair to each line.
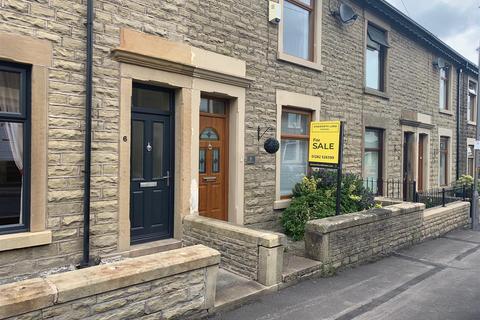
253, 254
174, 284
359, 237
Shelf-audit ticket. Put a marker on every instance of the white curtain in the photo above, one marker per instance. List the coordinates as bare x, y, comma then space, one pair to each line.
10, 102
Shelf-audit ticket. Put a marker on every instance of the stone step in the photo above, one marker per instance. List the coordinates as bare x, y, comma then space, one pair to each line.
296, 268
233, 291
144, 249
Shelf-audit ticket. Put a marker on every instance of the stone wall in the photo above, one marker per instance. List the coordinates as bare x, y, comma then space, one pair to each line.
359, 237
438, 221
253, 254
175, 284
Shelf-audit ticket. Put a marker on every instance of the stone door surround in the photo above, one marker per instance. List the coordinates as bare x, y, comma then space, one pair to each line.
191, 72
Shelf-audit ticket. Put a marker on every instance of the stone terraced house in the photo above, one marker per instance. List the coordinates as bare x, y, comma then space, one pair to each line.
181, 90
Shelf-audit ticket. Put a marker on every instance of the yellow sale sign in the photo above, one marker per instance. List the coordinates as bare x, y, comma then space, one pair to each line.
324, 142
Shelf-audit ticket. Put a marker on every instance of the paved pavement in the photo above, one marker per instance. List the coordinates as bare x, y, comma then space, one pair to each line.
438, 279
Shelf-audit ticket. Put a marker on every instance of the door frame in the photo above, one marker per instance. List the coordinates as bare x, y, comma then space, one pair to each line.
227, 149
171, 115
421, 171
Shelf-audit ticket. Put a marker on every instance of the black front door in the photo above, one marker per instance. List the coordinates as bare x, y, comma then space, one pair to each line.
151, 200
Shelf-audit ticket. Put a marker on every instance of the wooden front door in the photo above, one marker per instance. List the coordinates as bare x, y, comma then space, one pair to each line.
213, 166
151, 186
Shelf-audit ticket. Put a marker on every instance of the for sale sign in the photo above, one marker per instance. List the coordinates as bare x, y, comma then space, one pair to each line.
325, 143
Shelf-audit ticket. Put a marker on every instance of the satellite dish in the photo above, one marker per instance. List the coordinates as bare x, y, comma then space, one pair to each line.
346, 14
440, 63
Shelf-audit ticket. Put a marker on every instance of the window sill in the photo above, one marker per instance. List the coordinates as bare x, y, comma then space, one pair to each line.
281, 204
472, 123
377, 93
24, 240
299, 61
447, 112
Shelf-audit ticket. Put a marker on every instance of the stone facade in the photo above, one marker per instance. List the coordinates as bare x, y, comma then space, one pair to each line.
238, 29
139, 288
360, 237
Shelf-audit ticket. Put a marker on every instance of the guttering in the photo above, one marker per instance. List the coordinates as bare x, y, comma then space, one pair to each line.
457, 165
88, 137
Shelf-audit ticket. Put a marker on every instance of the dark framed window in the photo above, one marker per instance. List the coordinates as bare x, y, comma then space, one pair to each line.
14, 147
444, 89
472, 101
376, 52
298, 28
444, 161
373, 159
295, 136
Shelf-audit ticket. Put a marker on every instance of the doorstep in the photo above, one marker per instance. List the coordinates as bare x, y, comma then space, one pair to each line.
144, 249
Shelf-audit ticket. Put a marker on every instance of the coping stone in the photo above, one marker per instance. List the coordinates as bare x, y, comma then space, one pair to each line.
262, 238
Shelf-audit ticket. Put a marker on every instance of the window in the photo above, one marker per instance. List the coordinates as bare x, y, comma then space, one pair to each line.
298, 16
472, 101
14, 148
214, 106
373, 159
294, 149
444, 88
300, 33
444, 162
375, 56
470, 159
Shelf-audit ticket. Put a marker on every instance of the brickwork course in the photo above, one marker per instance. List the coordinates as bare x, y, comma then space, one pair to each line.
239, 29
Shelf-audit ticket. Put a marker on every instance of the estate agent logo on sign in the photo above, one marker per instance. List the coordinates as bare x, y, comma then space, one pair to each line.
325, 142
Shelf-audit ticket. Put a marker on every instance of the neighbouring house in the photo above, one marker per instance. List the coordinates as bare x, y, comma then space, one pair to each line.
182, 93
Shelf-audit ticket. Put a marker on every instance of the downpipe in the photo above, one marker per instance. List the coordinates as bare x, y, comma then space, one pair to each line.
88, 138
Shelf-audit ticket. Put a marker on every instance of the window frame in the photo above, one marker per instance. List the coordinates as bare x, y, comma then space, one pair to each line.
382, 25
445, 153
382, 56
471, 120
296, 137
447, 80
311, 26
470, 168
23, 117
380, 151
315, 36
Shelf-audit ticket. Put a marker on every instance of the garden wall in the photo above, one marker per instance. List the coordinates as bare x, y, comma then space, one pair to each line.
254, 254
354, 238
174, 284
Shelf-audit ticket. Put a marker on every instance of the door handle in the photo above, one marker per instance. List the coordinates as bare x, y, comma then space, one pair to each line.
209, 178
167, 177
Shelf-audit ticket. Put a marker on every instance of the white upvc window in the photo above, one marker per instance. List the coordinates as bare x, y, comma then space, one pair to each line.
472, 101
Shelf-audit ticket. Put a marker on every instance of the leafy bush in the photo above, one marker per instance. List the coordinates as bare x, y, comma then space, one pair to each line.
315, 198
465, 180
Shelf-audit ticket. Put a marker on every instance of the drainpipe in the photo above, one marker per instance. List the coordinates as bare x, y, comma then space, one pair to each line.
88, 138
459, 77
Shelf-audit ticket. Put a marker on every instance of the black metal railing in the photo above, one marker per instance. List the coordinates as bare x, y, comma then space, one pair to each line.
442, 196
406, 190
392, 188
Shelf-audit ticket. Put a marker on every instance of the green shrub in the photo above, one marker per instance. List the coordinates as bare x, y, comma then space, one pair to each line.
315, 198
